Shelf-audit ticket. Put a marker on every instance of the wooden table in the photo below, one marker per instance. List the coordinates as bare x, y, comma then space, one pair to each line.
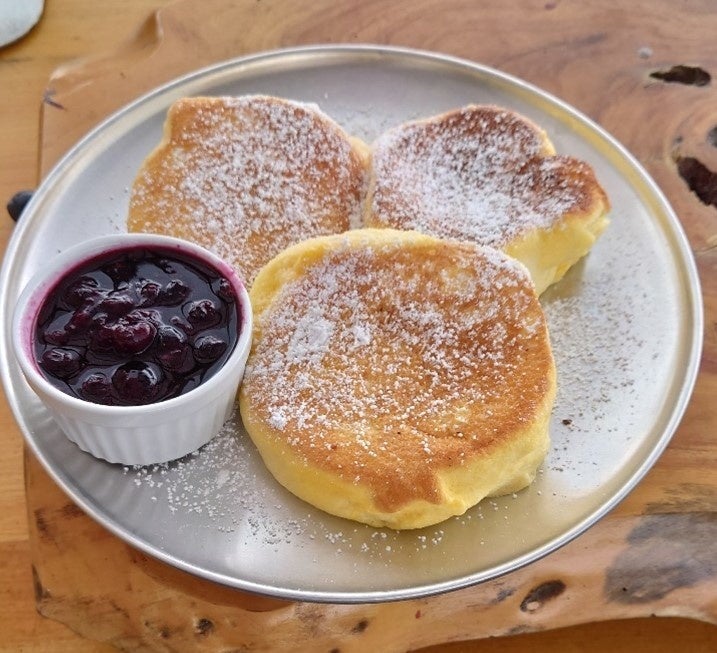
615, 61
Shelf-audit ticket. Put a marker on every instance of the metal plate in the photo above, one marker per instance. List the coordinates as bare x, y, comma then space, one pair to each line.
626, 325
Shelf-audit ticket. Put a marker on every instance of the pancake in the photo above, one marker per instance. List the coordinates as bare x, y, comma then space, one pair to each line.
397, 379
245, 177
489, 176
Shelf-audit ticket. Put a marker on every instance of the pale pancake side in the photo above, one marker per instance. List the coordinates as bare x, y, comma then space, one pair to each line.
488, 175
247, 176
397, 379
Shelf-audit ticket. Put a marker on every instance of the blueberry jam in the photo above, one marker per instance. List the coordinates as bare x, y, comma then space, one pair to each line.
136, 326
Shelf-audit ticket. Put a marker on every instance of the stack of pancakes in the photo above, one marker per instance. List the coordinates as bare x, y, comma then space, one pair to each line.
401, 368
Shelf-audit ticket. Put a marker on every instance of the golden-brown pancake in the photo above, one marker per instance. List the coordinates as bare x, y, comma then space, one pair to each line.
490, 176
247, 176
395, 378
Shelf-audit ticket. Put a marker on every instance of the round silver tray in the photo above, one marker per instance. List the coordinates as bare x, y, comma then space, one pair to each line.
626, 327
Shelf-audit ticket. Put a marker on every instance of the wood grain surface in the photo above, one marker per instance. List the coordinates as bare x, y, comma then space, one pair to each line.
641, 70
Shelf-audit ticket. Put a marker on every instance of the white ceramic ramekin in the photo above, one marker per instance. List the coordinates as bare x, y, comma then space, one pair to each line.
134, 435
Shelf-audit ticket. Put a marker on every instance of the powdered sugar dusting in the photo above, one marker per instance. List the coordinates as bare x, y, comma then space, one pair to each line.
477, 174
611, 357
225, 487
248, 176
220, 483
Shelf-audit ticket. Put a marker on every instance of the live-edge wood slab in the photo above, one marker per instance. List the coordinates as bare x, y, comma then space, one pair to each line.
635, 68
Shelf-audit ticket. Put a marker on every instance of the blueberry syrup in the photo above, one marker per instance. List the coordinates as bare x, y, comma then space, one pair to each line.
136, 326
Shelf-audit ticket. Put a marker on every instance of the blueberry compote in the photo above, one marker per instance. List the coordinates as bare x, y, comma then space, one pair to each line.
136, 326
